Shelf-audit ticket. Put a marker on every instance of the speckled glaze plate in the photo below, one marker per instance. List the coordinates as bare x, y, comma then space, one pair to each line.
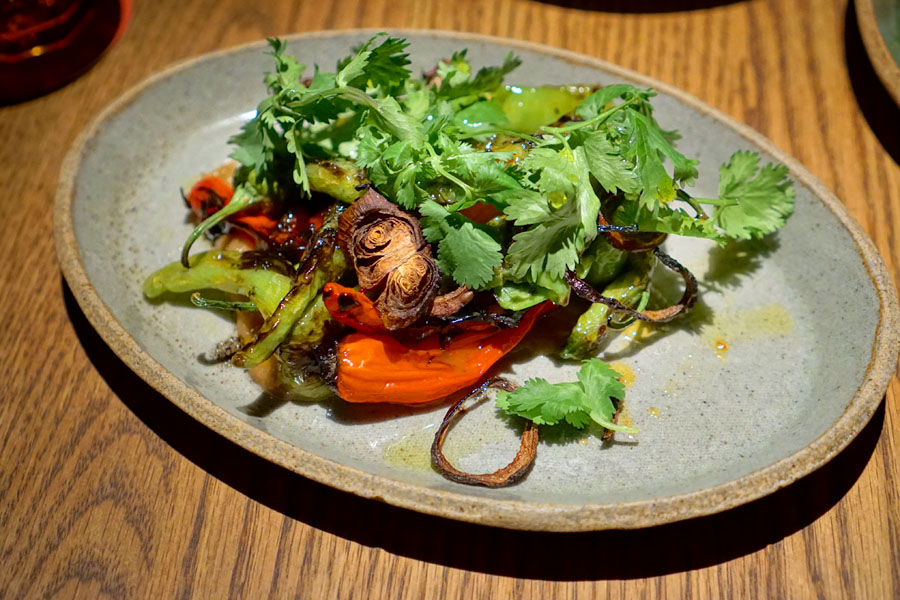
782, 363
879, 25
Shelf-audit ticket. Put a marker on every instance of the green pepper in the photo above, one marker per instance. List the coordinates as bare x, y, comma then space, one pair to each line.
600, 263
309, 331
527, 109
522, 109
338, 178
226, 271
324, 261
627, 288
297, 369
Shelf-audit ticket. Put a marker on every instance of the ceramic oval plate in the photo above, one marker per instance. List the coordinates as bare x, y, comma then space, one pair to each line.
879, 24
785, 359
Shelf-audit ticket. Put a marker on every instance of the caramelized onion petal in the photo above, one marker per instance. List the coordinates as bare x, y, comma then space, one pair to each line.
408, 292
382, 246
450, 303
502, 477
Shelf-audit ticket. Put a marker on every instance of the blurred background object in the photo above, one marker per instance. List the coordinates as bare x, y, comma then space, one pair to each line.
45, 44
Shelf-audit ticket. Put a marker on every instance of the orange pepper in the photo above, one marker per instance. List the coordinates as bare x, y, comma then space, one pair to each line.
481, 212
361, 315
212, 193
260, 223
376, 367
201, 197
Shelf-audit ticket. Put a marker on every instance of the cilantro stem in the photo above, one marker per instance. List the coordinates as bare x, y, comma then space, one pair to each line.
556, 132
436, 163
350, 93
602, 116
716, 201
500, 131
606, 423
683, 195
241, 199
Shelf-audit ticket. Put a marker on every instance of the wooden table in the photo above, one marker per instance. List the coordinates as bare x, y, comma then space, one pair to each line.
108, 490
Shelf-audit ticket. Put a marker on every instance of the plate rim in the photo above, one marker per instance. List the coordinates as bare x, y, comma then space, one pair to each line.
876, 48
457, 504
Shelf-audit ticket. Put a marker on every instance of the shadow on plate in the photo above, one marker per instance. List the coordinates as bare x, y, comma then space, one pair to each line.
646, 6
671, 548
878, 107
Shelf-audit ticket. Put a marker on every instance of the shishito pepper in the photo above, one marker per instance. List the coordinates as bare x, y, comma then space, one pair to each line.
377, 367
226, 271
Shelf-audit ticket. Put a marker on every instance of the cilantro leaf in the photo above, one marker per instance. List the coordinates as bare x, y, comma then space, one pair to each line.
658, 186
249, 146
610, 168
287, 70
666, 219
562, 222
470, 256
552, 246
757, 200
576, 403
466, 253
527, 207
457, 81
384, 65
685, 169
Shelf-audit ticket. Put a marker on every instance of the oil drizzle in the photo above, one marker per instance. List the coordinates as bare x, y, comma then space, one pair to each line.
412, 451
628, 375
731, 327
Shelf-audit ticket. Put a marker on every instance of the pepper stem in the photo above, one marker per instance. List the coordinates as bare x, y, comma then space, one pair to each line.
241, 199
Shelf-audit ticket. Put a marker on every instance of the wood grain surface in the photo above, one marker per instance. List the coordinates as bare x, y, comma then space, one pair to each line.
108, 491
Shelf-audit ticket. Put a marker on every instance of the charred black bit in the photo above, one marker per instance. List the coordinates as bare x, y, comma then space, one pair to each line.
269, 260
225, 349
617, 229
502, 477
626, 239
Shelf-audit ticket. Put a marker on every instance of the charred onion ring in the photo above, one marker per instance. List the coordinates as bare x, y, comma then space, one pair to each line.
502, 477
688, 298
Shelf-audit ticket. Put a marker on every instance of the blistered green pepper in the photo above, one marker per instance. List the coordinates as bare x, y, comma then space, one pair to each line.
323, 262
627, 288
226, 271
297, 375
522, 109
338, 178
600, 263
529, 108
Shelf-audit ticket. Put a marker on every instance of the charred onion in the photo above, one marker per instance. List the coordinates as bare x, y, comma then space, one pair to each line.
586, 291
502, 477
391, 257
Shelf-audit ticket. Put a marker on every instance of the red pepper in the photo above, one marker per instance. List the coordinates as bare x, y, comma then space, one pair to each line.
212, 193
374, 366
209, 195
481, 212
358, 310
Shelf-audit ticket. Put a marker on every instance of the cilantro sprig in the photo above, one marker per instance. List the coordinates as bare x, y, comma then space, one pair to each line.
578, 403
